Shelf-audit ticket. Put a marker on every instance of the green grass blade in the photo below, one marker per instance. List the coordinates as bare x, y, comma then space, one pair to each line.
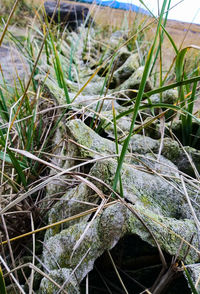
50, 134
139, 97
117, 147
46, 46
2, 283
161, 37
3, 107
18, 168
179, 63
157, 105
31, 62
179, 72
179, 77
2, 140
171, 86
64, 85
171, 40
98, 109
59, 70
190, 110
56, 62
192, 286
70, 62
8, 160
182, 90
167, 34
30, 133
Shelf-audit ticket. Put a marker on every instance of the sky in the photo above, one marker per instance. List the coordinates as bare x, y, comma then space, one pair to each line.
186, 10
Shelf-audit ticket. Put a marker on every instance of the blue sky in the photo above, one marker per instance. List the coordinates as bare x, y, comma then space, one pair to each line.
186, 10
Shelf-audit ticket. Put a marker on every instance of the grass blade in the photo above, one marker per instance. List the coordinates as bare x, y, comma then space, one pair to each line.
190, 110
8, 21
192, 286
3, 107
2, 283
171, 86
139, 97
183, 91
59, 70
117, 145
161, 37
18, 168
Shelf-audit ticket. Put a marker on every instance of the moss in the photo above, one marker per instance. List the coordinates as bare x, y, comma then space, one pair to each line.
167, 240
60, 276
145, 200
171, 149
156, 201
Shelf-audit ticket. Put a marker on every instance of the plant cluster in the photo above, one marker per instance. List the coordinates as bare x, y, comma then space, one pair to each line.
32, 109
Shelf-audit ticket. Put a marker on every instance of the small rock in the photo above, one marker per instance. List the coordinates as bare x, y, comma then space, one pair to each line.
132, 83
60, 276
143, 144
122, 55
95, 145
125, 71
183, 162
168, 97
182, 157
117, 38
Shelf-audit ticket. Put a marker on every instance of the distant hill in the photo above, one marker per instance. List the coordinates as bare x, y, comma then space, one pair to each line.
117, 5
